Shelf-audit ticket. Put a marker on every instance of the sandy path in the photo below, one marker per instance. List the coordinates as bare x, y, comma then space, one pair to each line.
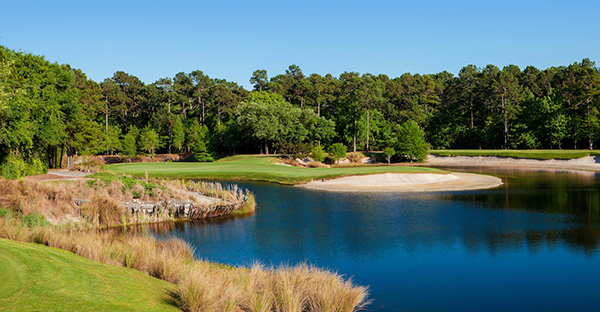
58, 175
407, 182
589, 163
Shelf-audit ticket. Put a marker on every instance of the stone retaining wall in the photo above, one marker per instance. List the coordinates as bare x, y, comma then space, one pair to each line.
176, 210
171, 210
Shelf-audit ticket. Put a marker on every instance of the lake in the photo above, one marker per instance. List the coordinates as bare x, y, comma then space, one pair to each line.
531, 244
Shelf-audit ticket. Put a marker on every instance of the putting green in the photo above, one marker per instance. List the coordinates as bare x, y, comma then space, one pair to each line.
254, 168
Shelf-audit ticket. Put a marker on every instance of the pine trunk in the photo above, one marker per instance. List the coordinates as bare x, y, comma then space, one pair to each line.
367, 129
354, 138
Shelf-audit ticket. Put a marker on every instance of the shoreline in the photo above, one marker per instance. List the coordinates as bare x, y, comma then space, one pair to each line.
588, 163
401, 182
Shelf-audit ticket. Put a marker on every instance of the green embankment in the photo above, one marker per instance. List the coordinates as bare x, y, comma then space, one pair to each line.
254, 168
40, 278
534, 154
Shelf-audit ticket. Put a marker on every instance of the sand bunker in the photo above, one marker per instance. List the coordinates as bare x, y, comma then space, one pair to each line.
407, 182
589, 163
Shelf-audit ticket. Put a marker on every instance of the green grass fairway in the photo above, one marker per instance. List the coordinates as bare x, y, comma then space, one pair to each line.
535, 154
40, 278
254, 168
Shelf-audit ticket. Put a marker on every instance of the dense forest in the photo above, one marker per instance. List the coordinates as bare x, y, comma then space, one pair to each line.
48, 110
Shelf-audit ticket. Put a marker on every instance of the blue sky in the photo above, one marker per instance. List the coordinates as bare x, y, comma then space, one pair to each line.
230, 40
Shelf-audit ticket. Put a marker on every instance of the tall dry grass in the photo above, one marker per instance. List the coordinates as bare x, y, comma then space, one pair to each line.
202, 286
103, 201
231, 192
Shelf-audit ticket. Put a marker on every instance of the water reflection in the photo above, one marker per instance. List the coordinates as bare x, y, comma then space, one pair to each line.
408, 245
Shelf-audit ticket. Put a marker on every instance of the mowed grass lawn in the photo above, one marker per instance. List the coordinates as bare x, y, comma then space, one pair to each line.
535, 154
40, 278
254, 168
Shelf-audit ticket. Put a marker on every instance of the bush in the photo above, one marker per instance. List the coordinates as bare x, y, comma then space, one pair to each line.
201, 153
315, 164
337, 151
388, 152
34, 220
318, 154
411, 142
15, 167
355, 157
295, 149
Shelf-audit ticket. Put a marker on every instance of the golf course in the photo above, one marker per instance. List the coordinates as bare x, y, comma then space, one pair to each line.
254, 168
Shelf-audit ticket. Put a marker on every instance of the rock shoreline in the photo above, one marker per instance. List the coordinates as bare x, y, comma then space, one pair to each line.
139, 211
178, 210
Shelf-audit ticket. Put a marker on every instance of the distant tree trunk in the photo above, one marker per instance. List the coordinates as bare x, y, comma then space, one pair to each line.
266, 147
355, 129
589, 127
471, 108
219, 113
170, 137
319, 106
367, 129
202, 104
70, 161
107, 125
505, 123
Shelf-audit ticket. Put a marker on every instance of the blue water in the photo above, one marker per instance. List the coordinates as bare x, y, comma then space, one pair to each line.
531, 244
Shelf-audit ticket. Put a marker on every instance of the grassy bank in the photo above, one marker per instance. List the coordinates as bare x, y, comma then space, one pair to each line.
39, 278
198, 285
254, 168
534, 154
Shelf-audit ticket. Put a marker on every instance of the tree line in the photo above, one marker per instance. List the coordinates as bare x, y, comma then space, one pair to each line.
48, 110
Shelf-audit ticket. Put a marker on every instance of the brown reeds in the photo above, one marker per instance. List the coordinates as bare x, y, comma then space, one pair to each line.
101, 204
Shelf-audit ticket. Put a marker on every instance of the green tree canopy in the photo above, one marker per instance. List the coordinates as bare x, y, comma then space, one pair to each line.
411, 142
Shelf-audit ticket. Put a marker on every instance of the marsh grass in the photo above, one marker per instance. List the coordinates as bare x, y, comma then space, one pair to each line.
201, 285
231, 192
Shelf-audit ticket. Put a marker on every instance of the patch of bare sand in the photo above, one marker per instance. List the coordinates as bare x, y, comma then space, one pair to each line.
407, 182
58, 175
589, 163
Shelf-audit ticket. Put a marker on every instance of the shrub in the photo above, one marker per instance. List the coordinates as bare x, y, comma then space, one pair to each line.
411, 142
295, 149
15, 167
337, 151
315, 164
318, 153
389, 152
34, 220
201, 153
355, 157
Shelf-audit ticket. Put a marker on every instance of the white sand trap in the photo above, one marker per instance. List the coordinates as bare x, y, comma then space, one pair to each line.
407, 182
